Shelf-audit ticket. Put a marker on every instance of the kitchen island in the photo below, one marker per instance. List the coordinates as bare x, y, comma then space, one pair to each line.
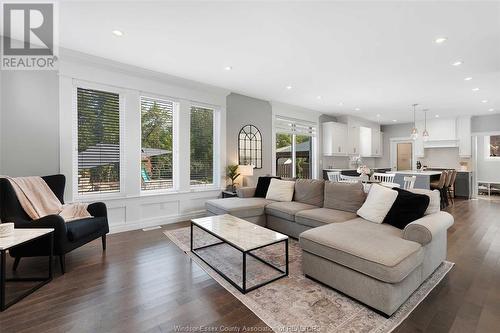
424, 178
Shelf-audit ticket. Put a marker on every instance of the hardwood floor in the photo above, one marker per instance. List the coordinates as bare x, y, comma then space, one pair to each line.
144, 283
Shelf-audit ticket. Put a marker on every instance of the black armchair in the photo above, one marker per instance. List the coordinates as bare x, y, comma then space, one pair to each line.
67, 236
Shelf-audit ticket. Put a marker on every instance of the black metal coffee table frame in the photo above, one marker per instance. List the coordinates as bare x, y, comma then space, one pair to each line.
43, 280
243, 289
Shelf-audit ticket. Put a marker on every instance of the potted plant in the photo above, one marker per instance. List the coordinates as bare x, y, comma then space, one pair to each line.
232, 173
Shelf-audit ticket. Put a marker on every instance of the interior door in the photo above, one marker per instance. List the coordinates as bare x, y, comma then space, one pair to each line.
404, 156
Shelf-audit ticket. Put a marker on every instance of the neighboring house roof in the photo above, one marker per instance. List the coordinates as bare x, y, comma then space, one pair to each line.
108, 153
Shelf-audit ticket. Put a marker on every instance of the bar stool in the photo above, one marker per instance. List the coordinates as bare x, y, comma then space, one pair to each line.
452, 185
440, 186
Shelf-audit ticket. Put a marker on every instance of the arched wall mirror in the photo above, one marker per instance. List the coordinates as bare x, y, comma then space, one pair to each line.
250, 146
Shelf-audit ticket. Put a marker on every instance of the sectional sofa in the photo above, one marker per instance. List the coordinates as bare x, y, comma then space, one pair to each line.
377, 264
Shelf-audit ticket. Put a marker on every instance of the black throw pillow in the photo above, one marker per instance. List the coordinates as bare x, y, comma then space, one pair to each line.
263, 185
407, 208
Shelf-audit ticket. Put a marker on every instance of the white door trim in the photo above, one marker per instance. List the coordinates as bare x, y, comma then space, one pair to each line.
393, 151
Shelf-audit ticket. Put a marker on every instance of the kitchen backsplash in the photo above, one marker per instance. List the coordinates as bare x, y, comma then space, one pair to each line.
443, 158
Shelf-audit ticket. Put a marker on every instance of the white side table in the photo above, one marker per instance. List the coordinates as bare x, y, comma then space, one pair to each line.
20, 237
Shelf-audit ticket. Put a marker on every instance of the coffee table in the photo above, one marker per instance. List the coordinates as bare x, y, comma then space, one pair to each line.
20, 237
243, 236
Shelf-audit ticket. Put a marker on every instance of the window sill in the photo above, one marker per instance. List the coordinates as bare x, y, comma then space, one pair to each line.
143, 194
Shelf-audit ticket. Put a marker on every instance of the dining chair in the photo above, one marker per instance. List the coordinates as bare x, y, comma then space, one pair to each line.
349, 179
333, 176
384, 177
451, 186
409, 182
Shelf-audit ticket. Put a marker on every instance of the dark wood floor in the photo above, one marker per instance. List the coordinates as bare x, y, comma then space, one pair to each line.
144, 283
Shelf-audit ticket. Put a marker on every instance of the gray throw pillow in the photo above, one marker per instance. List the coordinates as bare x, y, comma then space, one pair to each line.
348, 197
309, 191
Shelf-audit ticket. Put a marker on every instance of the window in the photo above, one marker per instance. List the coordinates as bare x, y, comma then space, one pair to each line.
156, 144
202, 146
250, 147
492, 145
294, 148
98, 115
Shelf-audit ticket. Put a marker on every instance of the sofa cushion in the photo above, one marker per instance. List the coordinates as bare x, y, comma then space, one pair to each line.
263, 185
321, 216
287, 210
78, 229
348, 197
309, 191
407, 208
280, 190
377, 250
239, 207
434, 199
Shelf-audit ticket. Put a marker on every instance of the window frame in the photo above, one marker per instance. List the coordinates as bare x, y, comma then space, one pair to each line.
487, 142
175, 143
215, 185
291, 129
77, 196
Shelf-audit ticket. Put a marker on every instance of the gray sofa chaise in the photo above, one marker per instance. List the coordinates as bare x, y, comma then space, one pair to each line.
377, 264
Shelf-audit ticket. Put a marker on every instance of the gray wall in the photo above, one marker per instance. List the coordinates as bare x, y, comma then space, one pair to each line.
29, 127
489, 123
391, 131
243, 110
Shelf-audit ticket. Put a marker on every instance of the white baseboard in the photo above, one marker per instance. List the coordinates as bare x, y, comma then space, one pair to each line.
117, 228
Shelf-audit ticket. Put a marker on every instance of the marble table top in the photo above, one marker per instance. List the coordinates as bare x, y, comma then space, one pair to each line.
417, 173
242, 234
22, 235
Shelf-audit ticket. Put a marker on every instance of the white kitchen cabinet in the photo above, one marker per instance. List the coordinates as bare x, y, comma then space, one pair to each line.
365, 142
440, 129
464, 136
353, 140
376, 142
334, 139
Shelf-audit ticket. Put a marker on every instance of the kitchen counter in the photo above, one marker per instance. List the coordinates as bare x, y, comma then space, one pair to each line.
416, 172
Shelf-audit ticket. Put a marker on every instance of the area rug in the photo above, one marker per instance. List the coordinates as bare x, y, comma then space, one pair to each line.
296, 303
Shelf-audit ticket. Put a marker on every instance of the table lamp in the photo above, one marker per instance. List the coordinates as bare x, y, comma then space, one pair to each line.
245, 170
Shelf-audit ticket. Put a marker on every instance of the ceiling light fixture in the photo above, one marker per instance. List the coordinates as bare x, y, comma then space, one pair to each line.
289, 87
457, 63
437, 116
341, 103
319, 97
440, 40
357, 109
414, 130
484, 101
394, 120
425, 133
228, 68
378, 115
117, 33
468, 78
491, 110
475, 89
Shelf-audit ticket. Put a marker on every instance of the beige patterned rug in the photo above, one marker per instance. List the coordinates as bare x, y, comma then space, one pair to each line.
296, 303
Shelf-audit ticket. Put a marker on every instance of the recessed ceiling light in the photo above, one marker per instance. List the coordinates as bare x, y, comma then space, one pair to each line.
475, 89
319, 97
484, 101
440, 40
289, 87
491, 110
357, 109
457, 63
437, 116
228, 68
468, 78
341, 103
118, 33
394, 121
378, 115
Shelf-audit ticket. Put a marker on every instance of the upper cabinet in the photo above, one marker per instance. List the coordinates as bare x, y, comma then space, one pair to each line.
464, 136
334, 139
351, 139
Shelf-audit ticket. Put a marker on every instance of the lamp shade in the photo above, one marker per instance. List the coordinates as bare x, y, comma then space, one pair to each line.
245, 170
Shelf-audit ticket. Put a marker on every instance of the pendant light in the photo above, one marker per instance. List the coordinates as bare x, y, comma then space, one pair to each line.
425, 133
414, 131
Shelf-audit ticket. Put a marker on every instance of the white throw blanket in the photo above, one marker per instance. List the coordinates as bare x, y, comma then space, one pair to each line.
38, 200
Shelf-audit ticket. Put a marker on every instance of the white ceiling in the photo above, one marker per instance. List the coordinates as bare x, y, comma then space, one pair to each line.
376, 56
